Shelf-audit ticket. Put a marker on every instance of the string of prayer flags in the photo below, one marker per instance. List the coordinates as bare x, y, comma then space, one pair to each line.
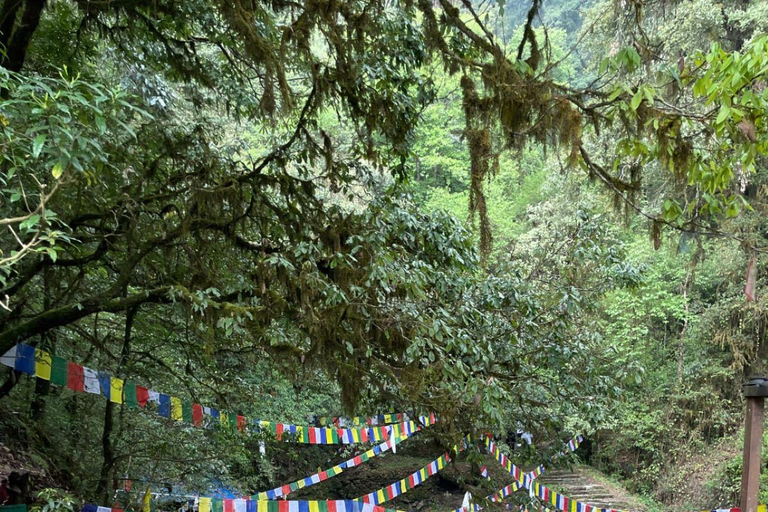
321, 476
415, 479
95, 508
32, 361
355, 421
245, 505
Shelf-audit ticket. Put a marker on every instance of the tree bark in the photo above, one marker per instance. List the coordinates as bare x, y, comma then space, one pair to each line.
108, 462
681, 341
9, 384
21, 33
8, 14
64, 315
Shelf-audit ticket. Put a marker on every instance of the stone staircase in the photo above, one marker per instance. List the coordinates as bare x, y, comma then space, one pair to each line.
578, 484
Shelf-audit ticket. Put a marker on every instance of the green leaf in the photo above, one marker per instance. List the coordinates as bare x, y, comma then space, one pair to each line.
37, 145
636, 100
725, 112
101, 124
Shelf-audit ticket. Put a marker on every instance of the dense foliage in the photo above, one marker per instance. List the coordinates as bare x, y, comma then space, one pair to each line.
245, 203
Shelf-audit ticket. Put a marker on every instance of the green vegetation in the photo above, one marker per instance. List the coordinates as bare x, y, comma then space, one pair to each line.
533, 216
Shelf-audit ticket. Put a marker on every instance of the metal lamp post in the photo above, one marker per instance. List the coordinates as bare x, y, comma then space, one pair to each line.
755, 392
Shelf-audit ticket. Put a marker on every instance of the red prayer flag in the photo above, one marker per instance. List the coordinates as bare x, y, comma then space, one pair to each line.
312, 435
286, 489
240, 423
364, 435
279, 431
228, 505
142, 395
197, 414
331, 506
75, 377
282, 506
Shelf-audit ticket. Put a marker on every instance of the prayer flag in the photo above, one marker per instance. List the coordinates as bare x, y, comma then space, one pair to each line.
197, 414
217, 505
105, 384
25, 359
116, 390
75, 377
204, 505
42, 364
59, 371
164, 410
142, 396
9, 358
147, 501
130, 392
176, 409
91, 384
186, 411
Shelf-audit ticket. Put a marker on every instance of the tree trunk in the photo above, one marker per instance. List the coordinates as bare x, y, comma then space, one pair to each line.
108, 462
21, 33
681, 341
8, 14
10, 383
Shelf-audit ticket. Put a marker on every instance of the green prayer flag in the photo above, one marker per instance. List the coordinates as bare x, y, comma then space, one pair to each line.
305, 435
186, 412
294, 486
322, 506
233, 420
59, 371
129, 390
273, 506
217, 505
335, 436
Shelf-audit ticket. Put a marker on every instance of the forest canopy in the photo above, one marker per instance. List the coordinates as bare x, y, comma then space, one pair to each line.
227, 198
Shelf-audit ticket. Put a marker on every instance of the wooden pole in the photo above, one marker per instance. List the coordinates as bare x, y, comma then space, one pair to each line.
755, 392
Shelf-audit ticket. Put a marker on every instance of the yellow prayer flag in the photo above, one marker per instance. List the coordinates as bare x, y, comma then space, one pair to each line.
176, 413
205, 505
262, 506
42, 364
380, 496
301, 483
355, 435
116, 390
146, 503
313, 507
